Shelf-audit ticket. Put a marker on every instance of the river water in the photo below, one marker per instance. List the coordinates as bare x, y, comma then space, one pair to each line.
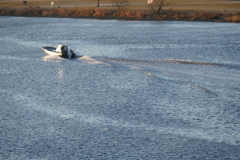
137, 90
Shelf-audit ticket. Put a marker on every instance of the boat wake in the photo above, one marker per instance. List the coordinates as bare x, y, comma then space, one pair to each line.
91, 60
170, 61
200, 75
52, 58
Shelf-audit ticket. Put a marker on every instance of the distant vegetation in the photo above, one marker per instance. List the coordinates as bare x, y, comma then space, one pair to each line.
99, 13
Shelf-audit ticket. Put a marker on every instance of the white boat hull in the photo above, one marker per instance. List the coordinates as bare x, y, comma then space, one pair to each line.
51, 51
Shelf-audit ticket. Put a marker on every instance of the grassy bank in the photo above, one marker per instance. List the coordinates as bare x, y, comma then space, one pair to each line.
99, 13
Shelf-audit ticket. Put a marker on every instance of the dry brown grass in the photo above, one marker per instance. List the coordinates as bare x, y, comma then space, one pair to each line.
128, 13
6, 11
134, 14
102, 12
236, 18
141, 14
232, 18
84, 11
47, 13
63, 12
31, 10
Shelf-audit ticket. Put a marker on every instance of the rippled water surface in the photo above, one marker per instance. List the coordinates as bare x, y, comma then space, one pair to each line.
137, 90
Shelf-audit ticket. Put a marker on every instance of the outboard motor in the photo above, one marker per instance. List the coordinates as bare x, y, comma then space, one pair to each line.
70, 54
65, 52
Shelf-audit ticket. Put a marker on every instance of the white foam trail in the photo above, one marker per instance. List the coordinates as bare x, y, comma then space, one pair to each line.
93, 61
86, 58
162, 62
52, 58
189, 62
143, 71
148, 73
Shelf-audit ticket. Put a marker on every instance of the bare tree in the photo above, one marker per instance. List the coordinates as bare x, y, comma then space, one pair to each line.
120, 4
98, 1
160, 4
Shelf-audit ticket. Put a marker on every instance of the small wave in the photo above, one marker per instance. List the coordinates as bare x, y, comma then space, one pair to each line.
161, 61
143, 70
234, 66
190, 62
86, 58
93, 61
7, 57
158, 61
148, 73
205, 89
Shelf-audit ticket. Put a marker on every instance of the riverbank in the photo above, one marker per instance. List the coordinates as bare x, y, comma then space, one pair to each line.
98, 13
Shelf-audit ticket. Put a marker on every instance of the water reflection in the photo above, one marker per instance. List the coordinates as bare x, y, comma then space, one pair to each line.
60, 74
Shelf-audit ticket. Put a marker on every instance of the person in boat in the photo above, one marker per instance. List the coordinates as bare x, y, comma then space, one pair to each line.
64, 50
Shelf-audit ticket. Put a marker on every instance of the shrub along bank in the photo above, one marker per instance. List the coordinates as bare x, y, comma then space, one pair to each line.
98, 13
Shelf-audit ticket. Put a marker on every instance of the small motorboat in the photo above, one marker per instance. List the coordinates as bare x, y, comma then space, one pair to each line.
61, 50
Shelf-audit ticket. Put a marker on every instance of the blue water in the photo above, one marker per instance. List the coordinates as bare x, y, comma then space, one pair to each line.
137, 90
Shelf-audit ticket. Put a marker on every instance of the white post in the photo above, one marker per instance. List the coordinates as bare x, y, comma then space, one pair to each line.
52, 4
150, 4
